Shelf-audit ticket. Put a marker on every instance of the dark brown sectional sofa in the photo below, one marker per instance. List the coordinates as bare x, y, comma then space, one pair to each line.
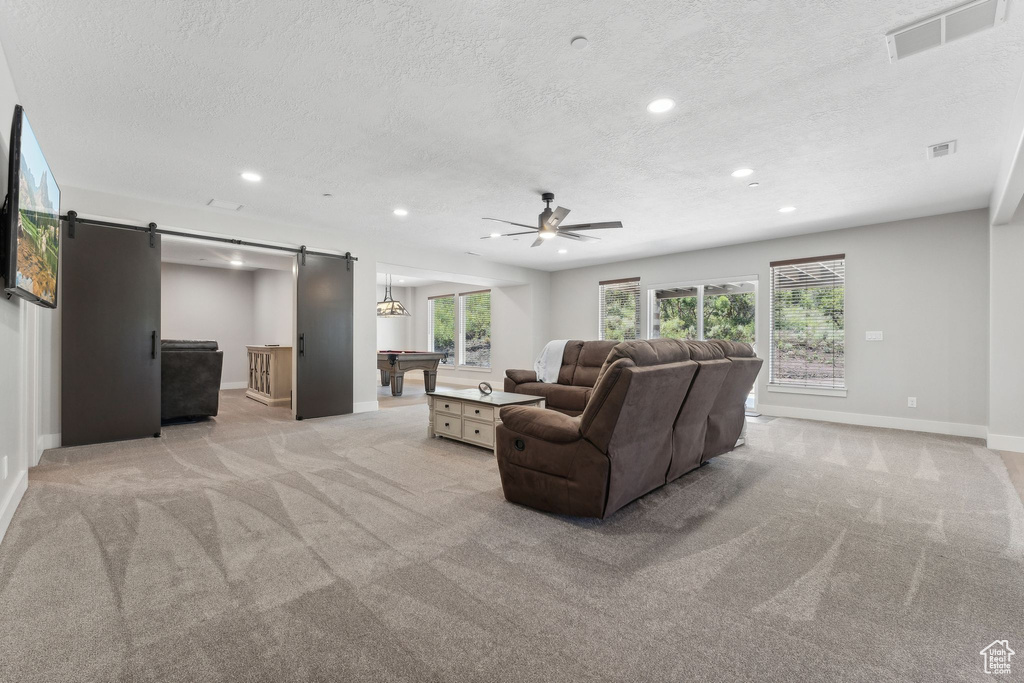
658, 409
581, 363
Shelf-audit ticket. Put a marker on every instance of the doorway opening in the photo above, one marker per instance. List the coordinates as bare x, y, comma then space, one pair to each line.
228, 308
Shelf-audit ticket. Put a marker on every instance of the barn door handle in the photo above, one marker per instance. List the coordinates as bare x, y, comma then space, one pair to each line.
302, 345
152, 345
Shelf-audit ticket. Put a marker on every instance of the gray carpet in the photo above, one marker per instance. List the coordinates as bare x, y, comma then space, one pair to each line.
349, 549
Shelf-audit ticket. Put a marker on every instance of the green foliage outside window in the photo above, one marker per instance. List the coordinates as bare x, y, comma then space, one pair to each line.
678, 317
442, 326
476, 323
729, 317
620, 314
809, 336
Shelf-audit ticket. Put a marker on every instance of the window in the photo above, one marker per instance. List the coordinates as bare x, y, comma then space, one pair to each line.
808, 314
723, 310
620, 309
475, 339
441, 335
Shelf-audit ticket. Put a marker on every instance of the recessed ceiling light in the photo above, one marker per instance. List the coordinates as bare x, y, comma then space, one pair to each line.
787, 209
563, 251
327, 195
495, 235
579, 42
236, 262
472, 253
742, 172
754, 185
401, 212
252, 177
661, 106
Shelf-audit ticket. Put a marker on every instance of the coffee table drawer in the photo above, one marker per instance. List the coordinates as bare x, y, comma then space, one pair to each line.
475, 411
481, 433
453, 407
448, 425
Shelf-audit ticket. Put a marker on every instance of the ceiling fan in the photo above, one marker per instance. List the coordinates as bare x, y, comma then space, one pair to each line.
550, 225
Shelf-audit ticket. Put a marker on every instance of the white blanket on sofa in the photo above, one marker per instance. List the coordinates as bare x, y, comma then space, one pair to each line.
550, 361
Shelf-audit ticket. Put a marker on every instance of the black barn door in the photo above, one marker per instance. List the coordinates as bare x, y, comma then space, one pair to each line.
110, 335
323, 382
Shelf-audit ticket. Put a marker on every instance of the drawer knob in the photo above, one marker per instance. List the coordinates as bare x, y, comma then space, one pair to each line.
477, 412
476, 431
447, 425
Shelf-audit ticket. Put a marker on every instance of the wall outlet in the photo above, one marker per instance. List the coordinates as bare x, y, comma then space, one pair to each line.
912, 401
3, 468
873, 336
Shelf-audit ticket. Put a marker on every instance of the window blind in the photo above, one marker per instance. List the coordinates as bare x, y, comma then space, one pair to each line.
619, 309
475, 339
441, 324
808, 333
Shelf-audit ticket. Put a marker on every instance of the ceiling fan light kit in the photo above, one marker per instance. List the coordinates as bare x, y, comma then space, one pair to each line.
549, 225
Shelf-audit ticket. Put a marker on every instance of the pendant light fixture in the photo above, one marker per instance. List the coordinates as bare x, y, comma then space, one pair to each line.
389, 308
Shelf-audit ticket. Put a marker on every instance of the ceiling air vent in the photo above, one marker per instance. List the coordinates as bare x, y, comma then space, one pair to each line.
958, 22
221, 204
943, 149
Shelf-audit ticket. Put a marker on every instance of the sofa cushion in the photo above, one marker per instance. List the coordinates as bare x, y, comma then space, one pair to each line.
557, 395
733, 349
592, 358
520, 376
643, 352
188, 345
548, 425
570, 356
704, 350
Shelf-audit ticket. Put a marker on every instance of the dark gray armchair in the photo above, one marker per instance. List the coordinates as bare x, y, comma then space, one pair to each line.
190, 373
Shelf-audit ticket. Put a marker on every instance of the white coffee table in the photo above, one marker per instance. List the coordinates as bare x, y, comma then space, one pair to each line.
471, 416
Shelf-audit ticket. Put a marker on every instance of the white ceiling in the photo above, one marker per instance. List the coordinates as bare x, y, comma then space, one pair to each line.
210, 254
458, 110
404, 280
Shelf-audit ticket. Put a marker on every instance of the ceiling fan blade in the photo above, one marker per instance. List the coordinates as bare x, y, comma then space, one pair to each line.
512, 234
518, 225
537, 242
594, 226
556, 217
574, 236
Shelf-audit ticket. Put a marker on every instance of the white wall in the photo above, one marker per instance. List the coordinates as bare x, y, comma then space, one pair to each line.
1006, 390
197, 302
29, 360
922, 282
274, 303
396, 333
518, 329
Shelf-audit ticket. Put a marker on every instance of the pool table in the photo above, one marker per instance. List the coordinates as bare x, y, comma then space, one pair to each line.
394, 364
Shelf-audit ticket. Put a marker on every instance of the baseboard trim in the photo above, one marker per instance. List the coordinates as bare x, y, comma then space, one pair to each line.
1004, 442
233, 385
44, 443
365, 407
907, 424
10, 504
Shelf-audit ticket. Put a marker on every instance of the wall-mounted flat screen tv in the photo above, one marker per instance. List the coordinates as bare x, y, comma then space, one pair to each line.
32, 219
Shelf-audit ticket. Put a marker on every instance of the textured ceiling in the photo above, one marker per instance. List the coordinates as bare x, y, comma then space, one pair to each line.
458, 110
